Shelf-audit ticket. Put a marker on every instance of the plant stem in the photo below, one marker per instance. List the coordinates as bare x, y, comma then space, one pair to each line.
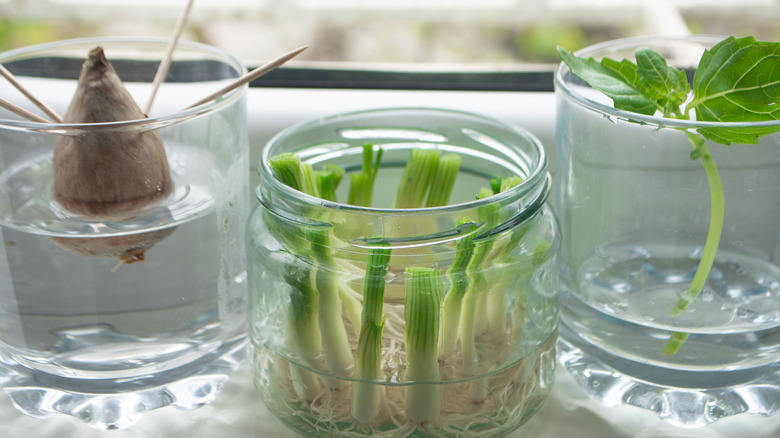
717, 214
374, 284
468, 317
418, 174
423, 290
304, 298
309, 180
361, 187
352, 308
476, 295
328, 180
358, 185
304, 326
497, 298
458, 284
475, 300
338, 355
444, 181
287, 168
366, 393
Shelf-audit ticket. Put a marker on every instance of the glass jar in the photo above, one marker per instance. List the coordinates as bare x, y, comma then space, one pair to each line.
313, 273
636, 208
86, 331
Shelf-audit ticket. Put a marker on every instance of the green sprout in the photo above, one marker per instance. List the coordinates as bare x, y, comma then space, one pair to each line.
366, 394
423, 294
361, 187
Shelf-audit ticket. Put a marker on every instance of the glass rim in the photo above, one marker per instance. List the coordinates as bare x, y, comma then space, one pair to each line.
537, 176
146, 123
562, 86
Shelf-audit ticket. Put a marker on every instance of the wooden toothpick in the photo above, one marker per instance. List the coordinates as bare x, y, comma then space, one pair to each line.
165, 65
22, 112
49, 112
256, 73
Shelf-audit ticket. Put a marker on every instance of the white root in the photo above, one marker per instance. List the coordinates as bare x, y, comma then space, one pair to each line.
514, 393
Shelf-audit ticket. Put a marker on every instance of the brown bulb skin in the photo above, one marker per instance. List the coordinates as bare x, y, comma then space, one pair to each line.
105, 173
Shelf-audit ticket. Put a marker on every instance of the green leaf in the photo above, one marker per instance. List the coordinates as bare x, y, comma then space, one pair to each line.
738, 80
618, 80
665, 84
746, 135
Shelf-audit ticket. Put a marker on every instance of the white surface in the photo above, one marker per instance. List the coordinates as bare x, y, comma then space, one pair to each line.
238, 412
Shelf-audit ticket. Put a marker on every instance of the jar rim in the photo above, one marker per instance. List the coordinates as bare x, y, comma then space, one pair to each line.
146, 123
562, 85
537, 176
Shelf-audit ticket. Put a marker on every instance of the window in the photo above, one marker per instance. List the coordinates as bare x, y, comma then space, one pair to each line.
450, 44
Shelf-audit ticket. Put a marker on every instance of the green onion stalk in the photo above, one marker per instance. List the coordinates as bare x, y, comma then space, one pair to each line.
458, 284
350, 301
309, 183
366, 391
361, 187
444, 180
304, 325
417, 178
489, 215
304, 299
530, 263
423, 295
335, 343
476, 293
288, 168
472, 319
328, 180
366, 394
361, 192
428, 181
497, 297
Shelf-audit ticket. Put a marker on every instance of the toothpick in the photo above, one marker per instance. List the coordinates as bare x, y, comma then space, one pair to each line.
22, 112
165, 65
254, 74
12, 79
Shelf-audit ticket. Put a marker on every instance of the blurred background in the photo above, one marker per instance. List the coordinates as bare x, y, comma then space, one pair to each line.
486, 35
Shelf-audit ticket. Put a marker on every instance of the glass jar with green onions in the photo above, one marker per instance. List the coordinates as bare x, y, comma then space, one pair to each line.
403, 272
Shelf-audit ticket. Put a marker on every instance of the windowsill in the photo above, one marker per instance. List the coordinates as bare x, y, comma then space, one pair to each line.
238, 412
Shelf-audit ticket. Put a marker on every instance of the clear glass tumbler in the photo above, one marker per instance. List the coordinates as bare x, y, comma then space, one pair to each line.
635, 212
343, 342
85, 331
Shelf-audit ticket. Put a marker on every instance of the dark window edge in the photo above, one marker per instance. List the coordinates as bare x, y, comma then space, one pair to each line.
291, 77
540, 79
